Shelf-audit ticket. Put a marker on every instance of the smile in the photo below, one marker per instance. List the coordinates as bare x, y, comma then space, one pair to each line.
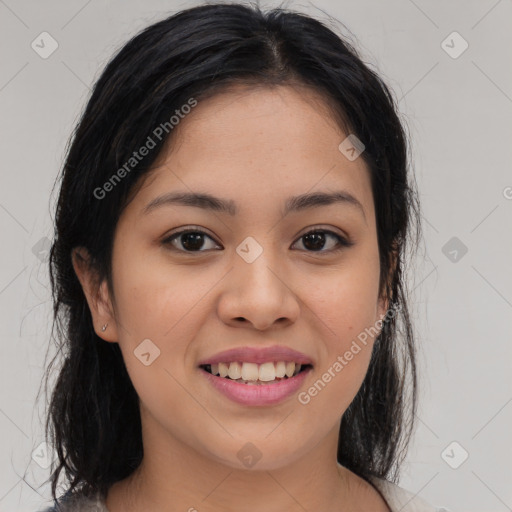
256, 384
255, 374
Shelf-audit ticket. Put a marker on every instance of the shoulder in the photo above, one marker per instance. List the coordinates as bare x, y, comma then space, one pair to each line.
399, 499
77, 503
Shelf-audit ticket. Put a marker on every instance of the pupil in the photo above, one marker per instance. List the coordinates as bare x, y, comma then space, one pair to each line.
318, 240
192, 241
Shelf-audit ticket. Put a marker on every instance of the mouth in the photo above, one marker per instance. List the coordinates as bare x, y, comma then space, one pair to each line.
257, 376
253, 374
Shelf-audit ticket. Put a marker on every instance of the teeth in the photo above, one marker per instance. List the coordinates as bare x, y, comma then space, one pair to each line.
223, 369
250, 371
280, 369
235, 371
267, 372
253, 372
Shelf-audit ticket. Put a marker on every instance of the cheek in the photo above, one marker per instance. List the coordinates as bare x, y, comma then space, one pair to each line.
154, 311
153, 299
165, 305
345, 299
346, 314
347, 309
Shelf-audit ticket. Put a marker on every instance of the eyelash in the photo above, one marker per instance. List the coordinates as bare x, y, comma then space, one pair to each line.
342, 242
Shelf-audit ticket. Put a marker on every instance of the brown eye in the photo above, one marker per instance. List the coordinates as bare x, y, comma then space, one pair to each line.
316, 240
188, 240
194, 240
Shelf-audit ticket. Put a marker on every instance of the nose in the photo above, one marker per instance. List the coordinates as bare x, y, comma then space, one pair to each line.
258, 293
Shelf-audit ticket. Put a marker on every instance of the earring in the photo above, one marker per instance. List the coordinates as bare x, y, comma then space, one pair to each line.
104, 327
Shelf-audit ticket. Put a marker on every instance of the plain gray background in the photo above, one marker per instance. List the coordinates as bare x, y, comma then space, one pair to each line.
458, 109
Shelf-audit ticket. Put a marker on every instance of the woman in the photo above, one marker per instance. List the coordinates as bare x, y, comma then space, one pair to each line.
228, 276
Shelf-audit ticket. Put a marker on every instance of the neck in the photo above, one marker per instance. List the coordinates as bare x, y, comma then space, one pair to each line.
175, 477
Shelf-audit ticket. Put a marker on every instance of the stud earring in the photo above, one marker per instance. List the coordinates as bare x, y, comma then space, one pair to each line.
104, 327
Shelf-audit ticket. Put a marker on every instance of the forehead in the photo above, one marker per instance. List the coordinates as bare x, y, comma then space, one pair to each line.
256, 146
293, 121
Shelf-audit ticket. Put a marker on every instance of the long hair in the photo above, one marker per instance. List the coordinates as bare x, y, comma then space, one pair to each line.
93, 418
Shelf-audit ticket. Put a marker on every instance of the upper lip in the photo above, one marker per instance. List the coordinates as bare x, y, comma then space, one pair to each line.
258, 355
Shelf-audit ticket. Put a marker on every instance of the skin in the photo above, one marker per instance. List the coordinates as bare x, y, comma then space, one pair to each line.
256, 147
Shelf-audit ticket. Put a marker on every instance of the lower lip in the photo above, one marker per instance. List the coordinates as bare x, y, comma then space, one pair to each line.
264, 394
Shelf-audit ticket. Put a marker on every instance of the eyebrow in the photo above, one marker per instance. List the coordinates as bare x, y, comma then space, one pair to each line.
293, 204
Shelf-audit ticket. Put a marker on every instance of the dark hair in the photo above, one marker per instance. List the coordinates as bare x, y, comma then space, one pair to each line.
93, 419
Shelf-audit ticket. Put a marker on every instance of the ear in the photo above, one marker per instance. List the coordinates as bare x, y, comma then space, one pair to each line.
97, 295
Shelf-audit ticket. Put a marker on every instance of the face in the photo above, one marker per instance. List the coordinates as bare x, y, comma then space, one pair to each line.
251, 277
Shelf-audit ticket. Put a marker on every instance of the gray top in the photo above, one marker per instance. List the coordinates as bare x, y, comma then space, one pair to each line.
398, 500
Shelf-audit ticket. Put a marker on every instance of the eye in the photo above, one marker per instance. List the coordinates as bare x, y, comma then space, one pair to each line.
190, 240
315, 240
193, 240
